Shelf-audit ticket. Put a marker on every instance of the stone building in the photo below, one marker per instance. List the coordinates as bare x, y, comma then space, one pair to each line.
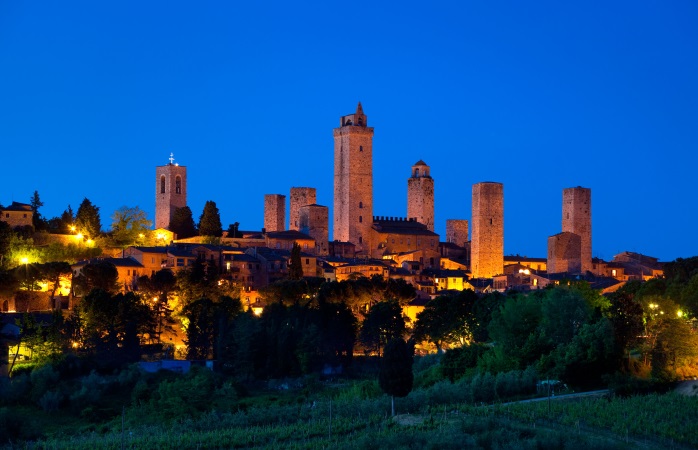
171, 192
487, 243
17, 215
353, 180
300, 196
274, 212
392, 235
457, 231
314, 221
565, 253
420, 195
576, 218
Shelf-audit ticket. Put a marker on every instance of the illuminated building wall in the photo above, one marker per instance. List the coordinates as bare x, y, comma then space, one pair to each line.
487, 243
170, 192
576, 218
314, 221
353, 180
274, 212
457, 231
420, 195
300, 196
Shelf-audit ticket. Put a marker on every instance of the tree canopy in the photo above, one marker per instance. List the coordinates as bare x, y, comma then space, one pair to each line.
210, 221
87, 220
182, 223
129, 226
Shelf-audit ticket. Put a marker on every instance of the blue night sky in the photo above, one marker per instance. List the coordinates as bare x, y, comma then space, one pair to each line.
536, 95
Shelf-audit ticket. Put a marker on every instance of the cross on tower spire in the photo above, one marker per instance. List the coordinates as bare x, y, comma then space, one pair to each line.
171, 158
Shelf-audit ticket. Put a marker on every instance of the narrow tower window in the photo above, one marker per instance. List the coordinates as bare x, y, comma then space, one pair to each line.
361, 148
361, 205
178, 185
361, 219
162, 184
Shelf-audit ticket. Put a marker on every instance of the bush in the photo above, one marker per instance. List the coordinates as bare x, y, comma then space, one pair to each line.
50, 401
42, 379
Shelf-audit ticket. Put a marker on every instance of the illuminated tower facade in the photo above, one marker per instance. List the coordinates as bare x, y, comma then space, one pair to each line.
170, 191
314, 221
353, 180
487, 243
457, 231
576, 218
274, 212
420, 195
300, 196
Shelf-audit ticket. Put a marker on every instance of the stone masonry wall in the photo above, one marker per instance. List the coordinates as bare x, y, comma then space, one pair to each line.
457, 231
420, 197
274, 212
564, 253
576, 218
353, 184
314, 221
487, 244
171, 194
300, 196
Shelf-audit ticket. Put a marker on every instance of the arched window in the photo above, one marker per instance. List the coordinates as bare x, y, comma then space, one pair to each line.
162, 184
178, 185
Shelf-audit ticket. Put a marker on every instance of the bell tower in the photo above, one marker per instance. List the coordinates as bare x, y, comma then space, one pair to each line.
353, 180
170, 191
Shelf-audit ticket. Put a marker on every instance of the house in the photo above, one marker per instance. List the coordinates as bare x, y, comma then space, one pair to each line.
393, 235
17, 215
128, 270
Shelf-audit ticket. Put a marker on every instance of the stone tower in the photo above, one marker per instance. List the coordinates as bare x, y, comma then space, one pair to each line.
300, 196
576, 218
274, 212
353, 181
170, 191
564, 253
314, 221
457, 231
420, 195
487, 243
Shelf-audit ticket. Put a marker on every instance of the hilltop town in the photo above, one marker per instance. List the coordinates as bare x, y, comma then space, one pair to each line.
364, 244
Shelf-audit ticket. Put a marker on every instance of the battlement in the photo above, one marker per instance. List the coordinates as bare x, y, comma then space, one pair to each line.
393, 219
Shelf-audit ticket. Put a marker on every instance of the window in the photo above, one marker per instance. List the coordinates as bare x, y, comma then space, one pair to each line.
305, 246
361, 240
178, 185
307, 261
361, 205
24, 215
162, 184
361, 148
613, 273
361, 219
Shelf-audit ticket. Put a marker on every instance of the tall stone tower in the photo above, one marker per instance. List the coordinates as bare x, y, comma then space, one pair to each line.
300, 196
576, 218
170, 191
353, 180
420, 195
314, 221
274, 212
487, 244
457, 231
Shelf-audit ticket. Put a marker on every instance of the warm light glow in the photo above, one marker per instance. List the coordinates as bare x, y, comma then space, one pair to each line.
72, 228
525, 271
653, 306
90, 242
75, 344
79, 236
141, 235
679, 313
25, 260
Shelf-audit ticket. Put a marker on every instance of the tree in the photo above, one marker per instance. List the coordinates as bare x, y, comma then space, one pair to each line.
295, 270
447, 319
98, 274
36, 203
87, 219
128, 225
182, 223
396, 377
210, 221
383, 322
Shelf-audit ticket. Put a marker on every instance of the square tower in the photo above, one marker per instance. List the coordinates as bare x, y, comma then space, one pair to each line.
457, 231
353, 181
274, 212
487, 244
300, 196
420, 195
314, 221
170, 192
564, 253
576, 218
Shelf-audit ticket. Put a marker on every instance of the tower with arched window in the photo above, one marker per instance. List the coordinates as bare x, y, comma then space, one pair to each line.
170, 191
353, 181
